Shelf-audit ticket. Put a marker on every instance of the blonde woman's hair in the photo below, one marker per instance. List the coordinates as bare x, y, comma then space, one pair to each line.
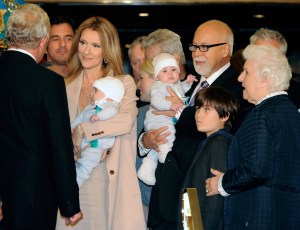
148, 68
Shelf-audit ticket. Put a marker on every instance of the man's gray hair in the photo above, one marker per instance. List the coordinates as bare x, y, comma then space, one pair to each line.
167, 41
268, 34
27, 26
135, 42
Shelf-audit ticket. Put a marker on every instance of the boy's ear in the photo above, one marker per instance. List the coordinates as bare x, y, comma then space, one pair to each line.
225, 118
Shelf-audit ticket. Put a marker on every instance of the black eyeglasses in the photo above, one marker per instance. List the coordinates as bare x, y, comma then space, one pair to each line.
203, 48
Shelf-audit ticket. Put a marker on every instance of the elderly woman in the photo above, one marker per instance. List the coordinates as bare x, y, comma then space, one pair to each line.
263, 178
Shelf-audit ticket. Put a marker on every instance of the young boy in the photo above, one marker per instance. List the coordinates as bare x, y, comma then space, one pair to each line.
166, 73
216, 109
108, 92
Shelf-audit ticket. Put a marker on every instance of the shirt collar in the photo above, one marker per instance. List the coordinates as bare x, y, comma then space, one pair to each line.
271, 95
215, 75
22, 51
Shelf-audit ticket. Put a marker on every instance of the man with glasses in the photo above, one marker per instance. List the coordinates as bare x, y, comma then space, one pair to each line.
211, 49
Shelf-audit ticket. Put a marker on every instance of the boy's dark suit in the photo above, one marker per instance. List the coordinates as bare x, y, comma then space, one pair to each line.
37, 169
165, 193
212, 153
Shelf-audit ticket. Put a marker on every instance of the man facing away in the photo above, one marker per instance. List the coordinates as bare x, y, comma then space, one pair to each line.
37, 168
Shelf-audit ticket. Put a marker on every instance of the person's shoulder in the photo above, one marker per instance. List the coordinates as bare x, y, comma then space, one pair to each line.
126, 79
47, 72
214, 142
220, 135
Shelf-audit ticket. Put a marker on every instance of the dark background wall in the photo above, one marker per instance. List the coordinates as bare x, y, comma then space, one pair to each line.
185, 18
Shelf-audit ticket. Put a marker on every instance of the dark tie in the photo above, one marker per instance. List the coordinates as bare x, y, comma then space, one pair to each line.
203, 85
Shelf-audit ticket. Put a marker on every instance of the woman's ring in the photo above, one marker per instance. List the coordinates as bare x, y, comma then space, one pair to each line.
207, 190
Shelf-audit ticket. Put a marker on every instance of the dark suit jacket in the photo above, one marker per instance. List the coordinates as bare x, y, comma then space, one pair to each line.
37, 168
264, 172
212, 153
169, 176
294, 91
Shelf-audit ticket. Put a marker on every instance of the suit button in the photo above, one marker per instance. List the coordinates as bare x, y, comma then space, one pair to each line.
68, 205
111, 172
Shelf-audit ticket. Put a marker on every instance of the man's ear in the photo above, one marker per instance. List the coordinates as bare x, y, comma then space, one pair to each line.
41, 49
43, 43
177, 57
226, 50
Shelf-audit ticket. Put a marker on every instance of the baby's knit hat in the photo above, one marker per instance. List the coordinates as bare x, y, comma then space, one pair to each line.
163, 60
112, 87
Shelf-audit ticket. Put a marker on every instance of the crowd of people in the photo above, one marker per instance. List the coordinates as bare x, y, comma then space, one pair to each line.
87, 146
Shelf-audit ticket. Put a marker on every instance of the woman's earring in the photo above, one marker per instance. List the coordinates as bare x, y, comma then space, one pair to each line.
105, 61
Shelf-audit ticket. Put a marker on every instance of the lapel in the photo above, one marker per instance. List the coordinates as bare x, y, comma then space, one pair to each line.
226, 76
73, 92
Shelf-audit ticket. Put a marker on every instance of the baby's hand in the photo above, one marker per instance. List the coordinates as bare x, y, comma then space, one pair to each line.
190, 79
94, 118
104, 155
176, 107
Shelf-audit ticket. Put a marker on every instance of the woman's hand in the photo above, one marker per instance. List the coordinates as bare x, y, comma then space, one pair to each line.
104, 154
211, 184
77, 136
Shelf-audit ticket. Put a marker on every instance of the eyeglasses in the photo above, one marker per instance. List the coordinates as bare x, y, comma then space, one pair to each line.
203, 48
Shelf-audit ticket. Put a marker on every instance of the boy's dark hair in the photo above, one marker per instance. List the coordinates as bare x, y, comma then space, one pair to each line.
222, 100
56, 20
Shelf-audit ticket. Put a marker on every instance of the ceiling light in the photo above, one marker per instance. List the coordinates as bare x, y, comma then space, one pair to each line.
259, 16
143, 14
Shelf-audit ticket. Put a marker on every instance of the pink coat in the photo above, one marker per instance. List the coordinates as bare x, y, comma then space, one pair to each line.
124, 198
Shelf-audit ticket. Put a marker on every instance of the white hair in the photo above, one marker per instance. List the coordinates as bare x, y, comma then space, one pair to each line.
272, 63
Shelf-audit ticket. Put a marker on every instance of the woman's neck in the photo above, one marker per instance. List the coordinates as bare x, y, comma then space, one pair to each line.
91, 75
